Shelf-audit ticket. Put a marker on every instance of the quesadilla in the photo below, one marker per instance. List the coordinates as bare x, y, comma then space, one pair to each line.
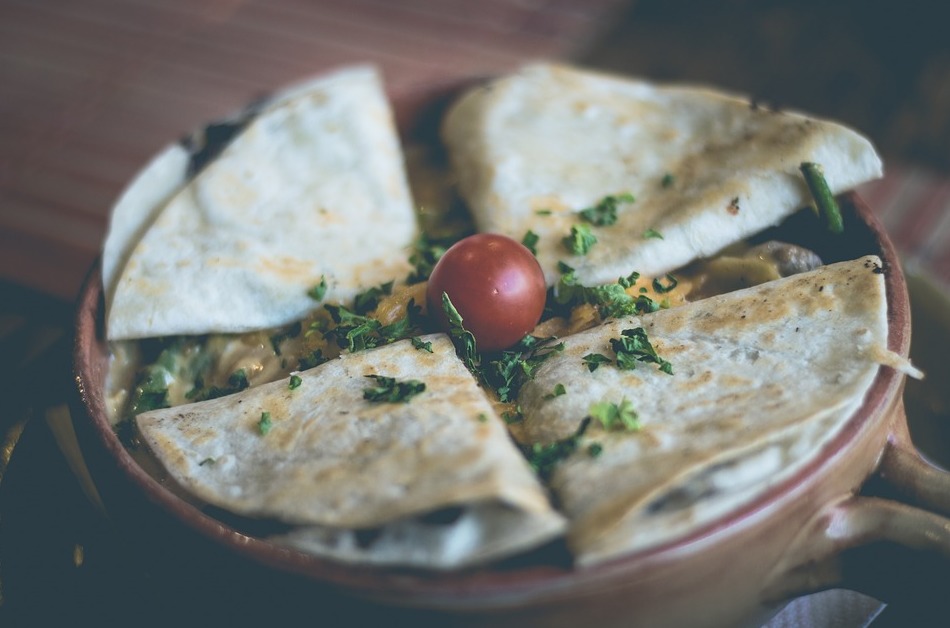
615, 174
718, 400
434, 479
312, 192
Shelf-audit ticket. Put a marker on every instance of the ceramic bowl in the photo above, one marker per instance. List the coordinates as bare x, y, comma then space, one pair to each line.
798, 537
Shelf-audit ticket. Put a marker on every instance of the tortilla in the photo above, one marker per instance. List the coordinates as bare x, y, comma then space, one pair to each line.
762, 379
334, 465
314, 188
533, 149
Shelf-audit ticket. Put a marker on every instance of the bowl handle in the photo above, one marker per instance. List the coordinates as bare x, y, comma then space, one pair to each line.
891, 541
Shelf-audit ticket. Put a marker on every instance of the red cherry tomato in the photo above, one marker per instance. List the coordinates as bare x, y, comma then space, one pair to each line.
495, 283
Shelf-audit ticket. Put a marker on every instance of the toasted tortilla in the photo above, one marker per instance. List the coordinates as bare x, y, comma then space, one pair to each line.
334, 464
313, 188
533, 149
762, 379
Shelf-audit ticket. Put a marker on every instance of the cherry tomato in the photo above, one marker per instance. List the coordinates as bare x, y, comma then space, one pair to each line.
495, 283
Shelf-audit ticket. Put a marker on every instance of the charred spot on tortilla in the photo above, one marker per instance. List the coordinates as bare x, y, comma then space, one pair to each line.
733, 207
205, 144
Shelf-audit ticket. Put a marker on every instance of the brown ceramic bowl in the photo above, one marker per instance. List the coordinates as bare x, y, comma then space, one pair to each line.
799, 537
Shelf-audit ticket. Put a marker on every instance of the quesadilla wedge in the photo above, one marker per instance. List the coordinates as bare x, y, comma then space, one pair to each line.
614, 174
312, 191
434, 479
739, 390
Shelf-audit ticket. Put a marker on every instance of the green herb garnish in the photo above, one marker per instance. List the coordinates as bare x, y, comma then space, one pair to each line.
611, 299
557, 392
426, 252
290, 332
652, 233
663, 289
629, 280
264, 424
632, 347
237, 382
206, 461
420, 345
544, 458
314, 358
594, 450
543, 212
614, 416
368, 300
595, 360
295, 382
604, 213
667, 180
580, 240
463, 339
318, 291
389, 390
356, 332
508, 373
530, 241
353, 332
821, 193
512, 416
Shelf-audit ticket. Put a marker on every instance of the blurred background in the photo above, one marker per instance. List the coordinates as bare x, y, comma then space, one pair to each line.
90, 89
882, 67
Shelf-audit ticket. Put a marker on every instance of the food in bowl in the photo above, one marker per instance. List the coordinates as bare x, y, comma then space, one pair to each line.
305, 382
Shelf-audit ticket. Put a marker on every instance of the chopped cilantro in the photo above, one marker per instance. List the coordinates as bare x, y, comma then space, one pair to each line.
368, 300
594, 360
420, 345
265, 423
237, 382
315, 358
557, 392
356, 332
614, 416
563, 268
463, 339
290, 332
389, 390
594, 450
353, 331
544, 458
543, 212
633, 346
318, 291
604, 213
652, 233
507, 374
667, 180
482, 417
512, 416
580, 240
644, 304
610, 299
404, 327
206, 461
530, 241
629, 280
426, 252
663, 289
295, 382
